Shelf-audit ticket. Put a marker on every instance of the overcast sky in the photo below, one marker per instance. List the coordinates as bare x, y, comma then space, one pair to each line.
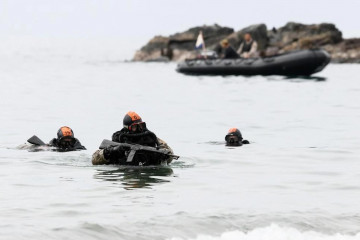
137, 21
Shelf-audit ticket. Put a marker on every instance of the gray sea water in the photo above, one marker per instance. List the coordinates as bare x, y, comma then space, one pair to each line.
298, 179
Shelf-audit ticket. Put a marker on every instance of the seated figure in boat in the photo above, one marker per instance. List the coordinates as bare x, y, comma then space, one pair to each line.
64, 142
227, 51
234, 138
134, 133
248, 48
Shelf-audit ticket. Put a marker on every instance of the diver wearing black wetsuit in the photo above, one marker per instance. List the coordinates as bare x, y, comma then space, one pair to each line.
133, 132
64, 142
234, 138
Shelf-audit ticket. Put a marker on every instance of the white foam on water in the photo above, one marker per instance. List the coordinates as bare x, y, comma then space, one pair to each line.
275, 232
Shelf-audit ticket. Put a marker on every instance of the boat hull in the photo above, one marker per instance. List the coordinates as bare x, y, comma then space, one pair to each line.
297, 63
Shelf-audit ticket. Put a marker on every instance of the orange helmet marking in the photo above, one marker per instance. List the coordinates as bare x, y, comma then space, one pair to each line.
134, 116
231, 130
66, 131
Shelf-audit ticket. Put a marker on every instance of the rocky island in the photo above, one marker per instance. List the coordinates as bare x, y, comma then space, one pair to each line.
292, 36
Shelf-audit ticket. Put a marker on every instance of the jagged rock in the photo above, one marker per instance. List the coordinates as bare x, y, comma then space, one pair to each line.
176, 46
181, 55
212, 35
257, 31
292, 36
152, 50
347, 51
156, 43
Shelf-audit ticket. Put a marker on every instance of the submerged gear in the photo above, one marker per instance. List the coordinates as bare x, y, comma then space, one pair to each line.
135, 154
142, 155
114, 153
131, 118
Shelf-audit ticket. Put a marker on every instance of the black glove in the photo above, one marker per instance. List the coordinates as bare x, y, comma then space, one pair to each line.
113, 151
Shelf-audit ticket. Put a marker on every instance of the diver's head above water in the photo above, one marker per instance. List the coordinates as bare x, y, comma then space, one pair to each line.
234, 138
65, 137
133, 122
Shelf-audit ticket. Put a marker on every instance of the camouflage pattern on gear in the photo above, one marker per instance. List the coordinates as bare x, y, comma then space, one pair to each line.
98, 158
164, 145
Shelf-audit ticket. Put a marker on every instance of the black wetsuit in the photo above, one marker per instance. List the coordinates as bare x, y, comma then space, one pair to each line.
146, 138
237, 143
75, 145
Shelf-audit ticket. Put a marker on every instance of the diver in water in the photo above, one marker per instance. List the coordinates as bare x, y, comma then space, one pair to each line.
64, 142
134, 131
234, 138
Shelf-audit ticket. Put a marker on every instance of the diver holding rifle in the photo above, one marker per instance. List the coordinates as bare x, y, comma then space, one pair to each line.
133, 145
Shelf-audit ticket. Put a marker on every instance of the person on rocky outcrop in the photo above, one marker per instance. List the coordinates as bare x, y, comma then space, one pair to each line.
134, 131
234, 138
64, 142
228, 51
248, 48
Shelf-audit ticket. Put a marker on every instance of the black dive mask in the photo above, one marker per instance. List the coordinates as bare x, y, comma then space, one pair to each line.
137, 127
232, 140
65, 143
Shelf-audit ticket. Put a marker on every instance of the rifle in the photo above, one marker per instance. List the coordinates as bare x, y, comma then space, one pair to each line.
136, 147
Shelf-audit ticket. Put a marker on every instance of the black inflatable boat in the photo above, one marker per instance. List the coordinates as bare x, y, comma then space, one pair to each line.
297, 63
